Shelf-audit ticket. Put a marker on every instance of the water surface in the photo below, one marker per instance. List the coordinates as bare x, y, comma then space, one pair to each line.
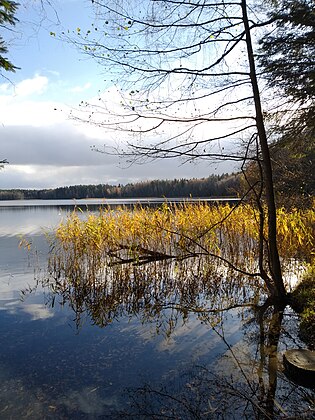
52, 366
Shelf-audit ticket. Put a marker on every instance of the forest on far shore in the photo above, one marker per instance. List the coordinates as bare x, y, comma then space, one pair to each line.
212, 186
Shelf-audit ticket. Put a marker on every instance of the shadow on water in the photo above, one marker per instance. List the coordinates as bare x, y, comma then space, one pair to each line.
243, 376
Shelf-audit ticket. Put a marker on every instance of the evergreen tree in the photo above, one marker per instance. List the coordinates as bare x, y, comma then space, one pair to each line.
7, 18
288, 62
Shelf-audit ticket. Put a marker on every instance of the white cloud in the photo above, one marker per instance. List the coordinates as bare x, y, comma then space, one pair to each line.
4, 88
107, 171
47, 149
78, 89
20, 105
37, 85
54, 72
14, 112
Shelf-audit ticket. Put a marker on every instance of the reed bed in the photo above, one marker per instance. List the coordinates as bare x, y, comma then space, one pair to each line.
187, 256
213, 236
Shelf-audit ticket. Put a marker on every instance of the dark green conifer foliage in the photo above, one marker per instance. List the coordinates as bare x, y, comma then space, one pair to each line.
7, 18
288, 60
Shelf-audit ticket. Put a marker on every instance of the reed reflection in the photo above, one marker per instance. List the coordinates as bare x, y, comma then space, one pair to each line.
245, 381
162, 292
115, 266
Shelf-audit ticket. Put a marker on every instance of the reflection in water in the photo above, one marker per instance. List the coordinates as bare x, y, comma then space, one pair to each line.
241, 385
161, 345
244, 380
15, 221
162, 293
38, 311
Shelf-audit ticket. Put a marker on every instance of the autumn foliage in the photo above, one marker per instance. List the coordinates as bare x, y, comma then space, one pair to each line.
199, 238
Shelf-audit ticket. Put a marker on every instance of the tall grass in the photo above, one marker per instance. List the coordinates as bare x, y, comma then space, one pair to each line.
221, 236
185, 256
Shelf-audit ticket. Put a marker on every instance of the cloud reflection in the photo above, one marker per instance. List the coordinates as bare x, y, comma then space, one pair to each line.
37, 311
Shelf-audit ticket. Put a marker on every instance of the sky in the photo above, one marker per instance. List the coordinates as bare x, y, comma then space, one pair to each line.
44, 146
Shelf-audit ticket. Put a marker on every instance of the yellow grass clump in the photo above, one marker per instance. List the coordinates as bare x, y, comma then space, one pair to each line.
143, 234
188, 256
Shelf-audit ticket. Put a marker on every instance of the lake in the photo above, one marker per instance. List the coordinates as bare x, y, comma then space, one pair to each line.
58, 363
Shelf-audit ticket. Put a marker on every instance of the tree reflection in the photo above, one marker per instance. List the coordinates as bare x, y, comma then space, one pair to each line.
269, 341
243, 384
246, 381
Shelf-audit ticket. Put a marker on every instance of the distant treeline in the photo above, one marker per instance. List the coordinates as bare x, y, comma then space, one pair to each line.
213, 186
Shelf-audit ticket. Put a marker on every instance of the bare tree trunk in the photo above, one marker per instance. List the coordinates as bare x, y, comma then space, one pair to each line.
279, 291
218, 30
